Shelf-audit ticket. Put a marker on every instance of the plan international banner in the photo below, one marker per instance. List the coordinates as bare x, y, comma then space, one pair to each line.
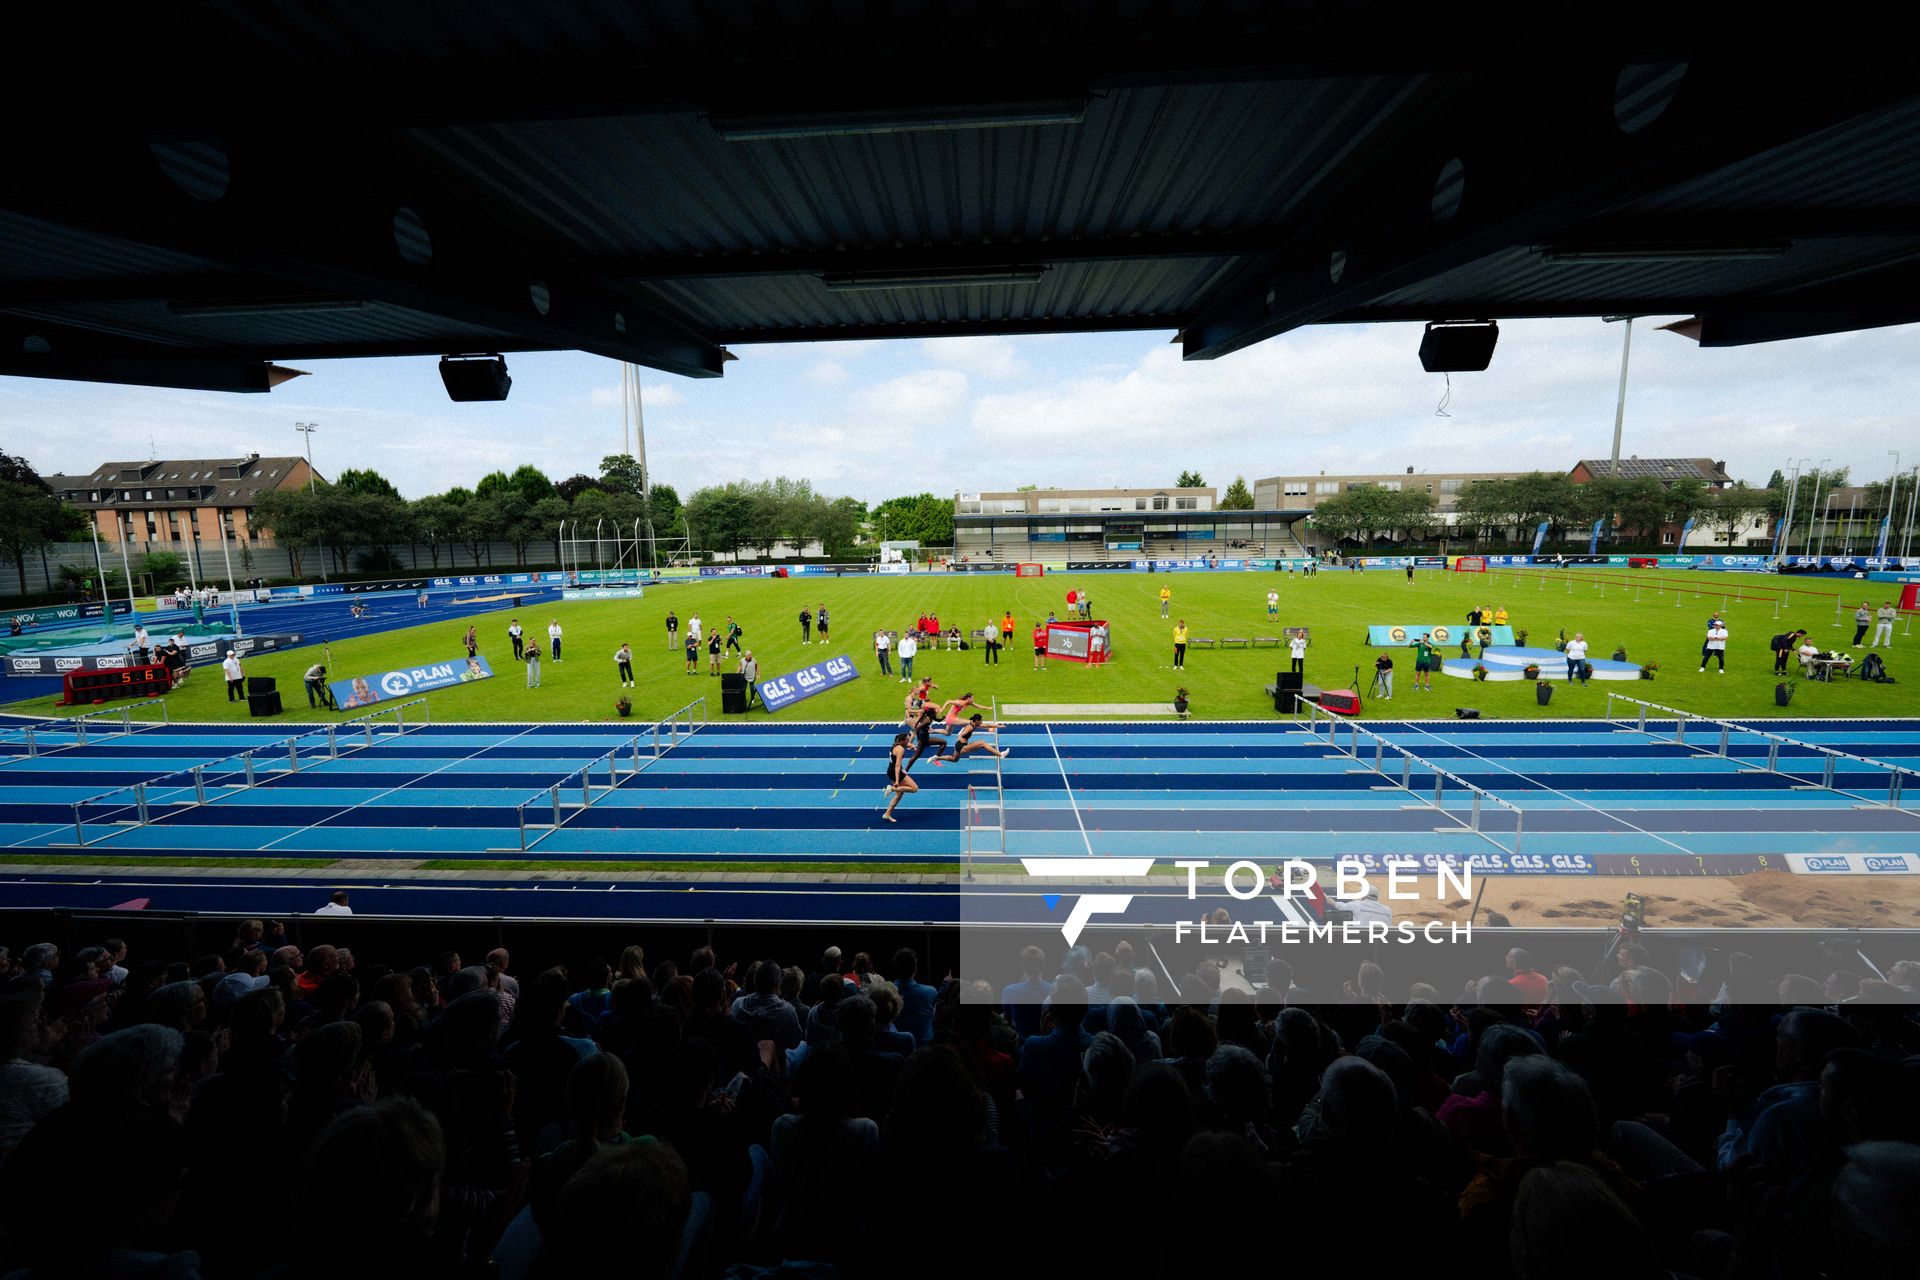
366, 691
782, 692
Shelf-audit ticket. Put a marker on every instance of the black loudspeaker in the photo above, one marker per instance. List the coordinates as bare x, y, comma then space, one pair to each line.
733, 694
260, 684
1286, 689
1466, 713
470, 378
263, 704
1458, 346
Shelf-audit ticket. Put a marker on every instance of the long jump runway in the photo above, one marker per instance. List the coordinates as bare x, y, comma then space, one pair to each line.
1592, 799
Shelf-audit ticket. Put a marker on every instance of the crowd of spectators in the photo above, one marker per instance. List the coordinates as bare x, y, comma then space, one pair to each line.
278, 1112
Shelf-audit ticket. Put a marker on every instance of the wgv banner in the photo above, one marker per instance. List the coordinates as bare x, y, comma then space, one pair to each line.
365, 691
782, 692
602, 593
1448, 633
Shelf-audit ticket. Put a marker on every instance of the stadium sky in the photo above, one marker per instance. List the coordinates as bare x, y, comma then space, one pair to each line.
876, 419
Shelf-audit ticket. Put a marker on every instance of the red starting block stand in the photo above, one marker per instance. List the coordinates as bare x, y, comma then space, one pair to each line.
1088, 642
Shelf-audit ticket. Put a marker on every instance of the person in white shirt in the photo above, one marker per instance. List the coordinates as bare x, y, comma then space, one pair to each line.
1297, 647
517, 637
1883, 625
693, 628
1577, 658
1808, 652
883, 652
336, 906
1716, 649
624, 657
140, 639
553, 639
236, 677
908, 647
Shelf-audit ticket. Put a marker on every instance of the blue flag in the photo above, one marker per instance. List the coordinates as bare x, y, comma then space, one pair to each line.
1685, 529
1593, 543
1539, 536
1886, 527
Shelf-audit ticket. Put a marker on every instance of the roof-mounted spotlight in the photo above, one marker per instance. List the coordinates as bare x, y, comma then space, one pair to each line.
475, 377
1458, 346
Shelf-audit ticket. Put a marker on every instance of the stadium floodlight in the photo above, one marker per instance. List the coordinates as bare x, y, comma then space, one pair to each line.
841, 124
475, 377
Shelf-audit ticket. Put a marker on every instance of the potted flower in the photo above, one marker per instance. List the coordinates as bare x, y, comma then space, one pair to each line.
1647, 669
1520, 639
1181, 703
1532, 671
1479, 671
624, 707
1542, 692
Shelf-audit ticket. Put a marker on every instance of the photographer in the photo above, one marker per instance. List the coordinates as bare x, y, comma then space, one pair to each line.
318, 694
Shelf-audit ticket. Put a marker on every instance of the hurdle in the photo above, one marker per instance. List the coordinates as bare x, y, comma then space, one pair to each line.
124, 714
1441, 776
982, 798
1829, 758
664, 734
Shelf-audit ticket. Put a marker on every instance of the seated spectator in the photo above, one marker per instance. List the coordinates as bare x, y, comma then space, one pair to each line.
1023, 1001
916, 997
823, 1020
731, 1035
1782, 1126
596, 1106
766, 1015
1559, 1206
541, 1061
821, 1151
29, 1091
873, 1068
588, 1007
642, 1187
1474, 1117
381, 1166
886, 1006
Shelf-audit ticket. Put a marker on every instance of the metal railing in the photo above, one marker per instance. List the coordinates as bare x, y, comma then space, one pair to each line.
1722, 742
218, 775
1408, 760
664, 735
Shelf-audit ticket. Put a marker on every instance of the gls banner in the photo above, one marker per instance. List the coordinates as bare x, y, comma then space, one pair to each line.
365, 691
783, 691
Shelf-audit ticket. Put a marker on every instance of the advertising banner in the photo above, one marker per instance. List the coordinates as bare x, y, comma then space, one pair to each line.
199, 653
1539, 536
782, 692
383, 686
55, 613
1443, 634
602, 593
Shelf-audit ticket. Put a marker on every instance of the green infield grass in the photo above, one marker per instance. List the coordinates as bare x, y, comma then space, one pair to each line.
1659, 617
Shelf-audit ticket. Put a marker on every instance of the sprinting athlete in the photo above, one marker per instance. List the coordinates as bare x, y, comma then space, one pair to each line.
963, 744
898, 781
924, 736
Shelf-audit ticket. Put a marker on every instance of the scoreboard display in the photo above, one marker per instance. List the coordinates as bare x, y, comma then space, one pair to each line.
148, 680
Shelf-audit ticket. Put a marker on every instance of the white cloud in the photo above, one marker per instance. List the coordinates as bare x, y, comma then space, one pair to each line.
827, 373
985, 357
912, 400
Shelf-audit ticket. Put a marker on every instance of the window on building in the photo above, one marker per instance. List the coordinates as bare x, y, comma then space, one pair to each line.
1296, 488
1186, 504
1051, 506
1453, 485
1324, 487
1390, 484
1160, 502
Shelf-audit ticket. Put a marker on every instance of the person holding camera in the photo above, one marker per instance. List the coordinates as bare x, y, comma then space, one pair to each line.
318, 694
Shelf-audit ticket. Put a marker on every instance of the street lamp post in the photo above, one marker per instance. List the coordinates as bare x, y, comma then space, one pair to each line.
1893, 492
307, 429
1620, 403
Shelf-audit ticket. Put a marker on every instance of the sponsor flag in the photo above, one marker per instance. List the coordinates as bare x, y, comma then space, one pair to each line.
1593, 542
1685, 531
1539, 536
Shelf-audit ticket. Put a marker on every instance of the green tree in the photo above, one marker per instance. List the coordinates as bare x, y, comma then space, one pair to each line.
1237, 497
1686, 499
666, 511
1732, 509
622, 473
545, 517
493, 485
575, 485
293, 517
365, 481
1190, 480
1778, 480
531, 483
433, 522
920, 517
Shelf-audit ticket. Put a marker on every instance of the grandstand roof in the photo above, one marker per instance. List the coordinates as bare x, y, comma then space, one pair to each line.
276, 181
